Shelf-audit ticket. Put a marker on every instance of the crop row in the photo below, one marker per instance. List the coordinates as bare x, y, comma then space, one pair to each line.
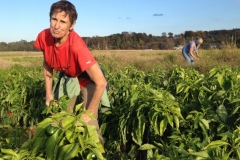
176, 115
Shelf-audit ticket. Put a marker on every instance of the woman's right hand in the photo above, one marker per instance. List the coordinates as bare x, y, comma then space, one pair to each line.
48, 100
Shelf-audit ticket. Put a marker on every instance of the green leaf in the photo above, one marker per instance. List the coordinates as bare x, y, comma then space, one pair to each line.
46, 110
59, 115
175, 137
10, 152
215, 144
205, 122
235, 100
78, 107
226, 135
222, 112
182, 151
159, 145
98, 153
52, 144
220, 93
68, 151
187, 89
203, 128
38, 144
147, 147
7, 157
39, 158
123, 130
236, 133
155, 122
163, 126
81, 141
170, 119
133, 99
93, 138
26, 144
34, 151
238, 151
138, 130
179, 88
237, 141
24, 153
67, 122
235, 110
203, 154
92, 144
70, 136
177, 111
220, 79
202, 98
205, 89
176, 120
103, 127
92, 132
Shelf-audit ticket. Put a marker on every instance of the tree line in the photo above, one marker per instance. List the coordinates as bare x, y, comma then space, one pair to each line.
141, 41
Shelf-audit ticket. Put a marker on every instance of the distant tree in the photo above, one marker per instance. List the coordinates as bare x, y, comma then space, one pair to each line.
162, 46
132, 40
105, 44
142, 36
170, 34
201, 34
3, 46
189, 34
164, 34
141, 44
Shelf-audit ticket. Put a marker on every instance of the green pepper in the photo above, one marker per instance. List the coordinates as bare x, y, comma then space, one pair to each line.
91, 156
88, 154
51, 130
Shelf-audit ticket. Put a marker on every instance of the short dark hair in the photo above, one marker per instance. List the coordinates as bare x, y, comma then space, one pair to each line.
67, 7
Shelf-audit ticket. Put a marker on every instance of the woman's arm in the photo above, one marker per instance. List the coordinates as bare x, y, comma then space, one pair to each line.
98, 78
48, 77
191, 50
197, 53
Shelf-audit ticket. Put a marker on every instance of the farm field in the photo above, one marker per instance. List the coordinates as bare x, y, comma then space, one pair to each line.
124, 56
145, 60
160, 109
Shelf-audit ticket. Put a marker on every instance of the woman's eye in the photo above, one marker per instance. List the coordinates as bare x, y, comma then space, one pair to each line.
53, 19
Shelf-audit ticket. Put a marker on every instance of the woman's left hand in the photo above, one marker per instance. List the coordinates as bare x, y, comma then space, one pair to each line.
86, 118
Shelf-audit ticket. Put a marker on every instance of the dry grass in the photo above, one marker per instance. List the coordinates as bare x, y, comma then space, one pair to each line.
7, 58
142, 59
20, 54
146, 60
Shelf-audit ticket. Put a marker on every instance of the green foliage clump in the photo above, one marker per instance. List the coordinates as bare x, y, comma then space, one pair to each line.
179, 114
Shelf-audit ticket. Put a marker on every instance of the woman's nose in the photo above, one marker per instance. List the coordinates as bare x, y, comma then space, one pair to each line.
57, 25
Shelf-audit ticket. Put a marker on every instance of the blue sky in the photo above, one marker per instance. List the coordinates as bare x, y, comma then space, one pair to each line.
25, 19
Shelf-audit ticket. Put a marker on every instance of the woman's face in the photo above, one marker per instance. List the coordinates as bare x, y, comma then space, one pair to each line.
60, 25
198, 44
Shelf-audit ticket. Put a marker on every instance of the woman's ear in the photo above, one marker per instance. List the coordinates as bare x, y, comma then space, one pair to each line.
71, 28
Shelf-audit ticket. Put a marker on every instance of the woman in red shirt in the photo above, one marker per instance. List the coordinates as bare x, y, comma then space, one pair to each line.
65, 51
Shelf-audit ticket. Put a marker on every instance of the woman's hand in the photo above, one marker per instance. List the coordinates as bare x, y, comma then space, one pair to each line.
54, 104
86, 118
48, 100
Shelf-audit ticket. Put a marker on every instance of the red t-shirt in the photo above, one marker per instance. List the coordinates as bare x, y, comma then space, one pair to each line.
72, 57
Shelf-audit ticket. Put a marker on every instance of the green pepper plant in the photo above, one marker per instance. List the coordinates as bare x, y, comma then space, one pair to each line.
61, 136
